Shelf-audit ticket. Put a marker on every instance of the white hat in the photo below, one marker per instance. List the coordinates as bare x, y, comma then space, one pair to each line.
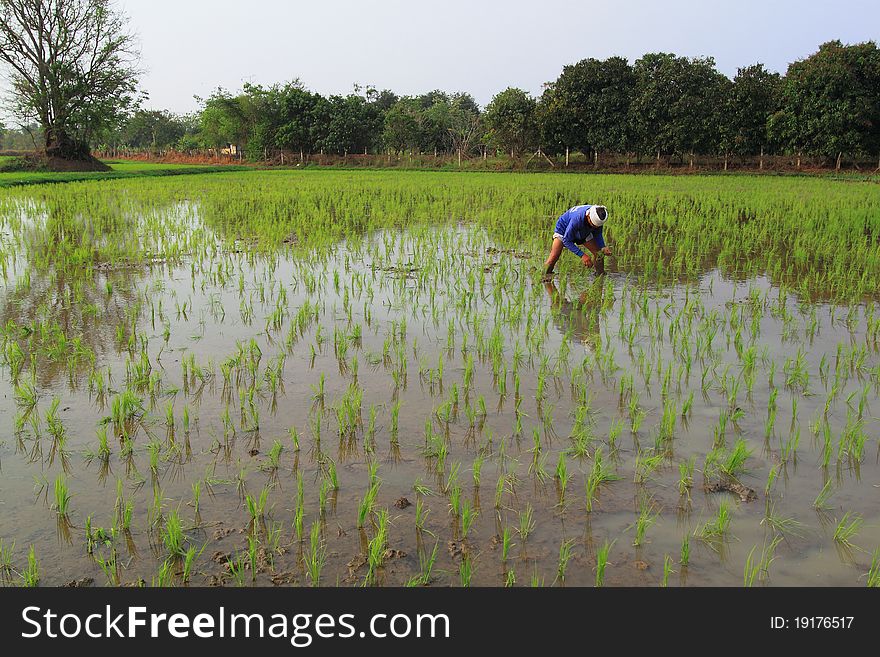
595, 219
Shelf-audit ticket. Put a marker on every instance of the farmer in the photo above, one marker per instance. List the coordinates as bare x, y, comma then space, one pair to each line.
581, 224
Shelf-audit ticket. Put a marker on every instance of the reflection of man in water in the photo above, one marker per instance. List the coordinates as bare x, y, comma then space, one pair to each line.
581, 318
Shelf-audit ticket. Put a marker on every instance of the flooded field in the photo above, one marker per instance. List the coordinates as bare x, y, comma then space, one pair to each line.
353, 378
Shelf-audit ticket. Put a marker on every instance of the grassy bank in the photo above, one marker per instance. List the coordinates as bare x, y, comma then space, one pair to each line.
10, 177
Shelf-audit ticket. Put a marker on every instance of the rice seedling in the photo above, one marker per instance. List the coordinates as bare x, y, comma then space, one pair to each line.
466, 571
506, 544
686, 476
734, 461
848, 526
426, 568
376, 547
873, 575
62, 496
647, 517
173, 537
468, 516
717, 527
685, 555
526, 522
781, 524
760, 569
602, 562
31, 574
667, 570
316, 557
565, 555
821, 501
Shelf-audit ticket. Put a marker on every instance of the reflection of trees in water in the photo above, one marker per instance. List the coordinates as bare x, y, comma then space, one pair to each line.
80, 284
83, 257
580, 319
80, 307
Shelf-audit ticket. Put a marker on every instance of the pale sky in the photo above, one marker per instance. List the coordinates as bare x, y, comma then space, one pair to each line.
480, 46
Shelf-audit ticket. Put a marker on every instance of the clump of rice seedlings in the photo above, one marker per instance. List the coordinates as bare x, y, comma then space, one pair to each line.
236, 568
172, 535
562, 476
31, 574
257, 506
466, 571
717, 527
422, 490
599, 475
646, 465
685, 553
103, 443
197, 495
468, 516
365, 508
667, 570
686, 476
376, 547
316, 557
499, 491
62, 497
760, 569
455, 501
771, 479
847, 528
874, 571
332, 474
426, 567
780, 524
6, 557
566, 552
647, 517
294, 438
421, 514
273, 457
734, 461
821, 501
526, 522
477, 467
188, 560
506, 544
602, 562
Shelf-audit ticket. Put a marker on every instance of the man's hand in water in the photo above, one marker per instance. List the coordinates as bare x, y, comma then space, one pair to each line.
587, 260
606, 250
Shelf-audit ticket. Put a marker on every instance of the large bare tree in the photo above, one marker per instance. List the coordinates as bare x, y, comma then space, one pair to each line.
72, 66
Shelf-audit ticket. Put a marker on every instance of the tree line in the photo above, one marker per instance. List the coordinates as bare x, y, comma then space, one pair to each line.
661, 106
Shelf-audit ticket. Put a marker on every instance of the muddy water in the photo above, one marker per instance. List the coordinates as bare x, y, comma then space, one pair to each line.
210, 308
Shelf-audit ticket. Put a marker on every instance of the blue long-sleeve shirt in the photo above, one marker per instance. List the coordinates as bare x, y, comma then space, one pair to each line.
576, 229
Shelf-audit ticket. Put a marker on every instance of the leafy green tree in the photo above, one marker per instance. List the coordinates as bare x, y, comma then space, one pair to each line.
511, 119
751, 103
297, 108
350, 124
830, 102
402, 123
587, 107
222, 121
72, 68
152, 129
678, 104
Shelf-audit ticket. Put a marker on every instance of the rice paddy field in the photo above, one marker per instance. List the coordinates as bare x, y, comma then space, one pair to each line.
361, 379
